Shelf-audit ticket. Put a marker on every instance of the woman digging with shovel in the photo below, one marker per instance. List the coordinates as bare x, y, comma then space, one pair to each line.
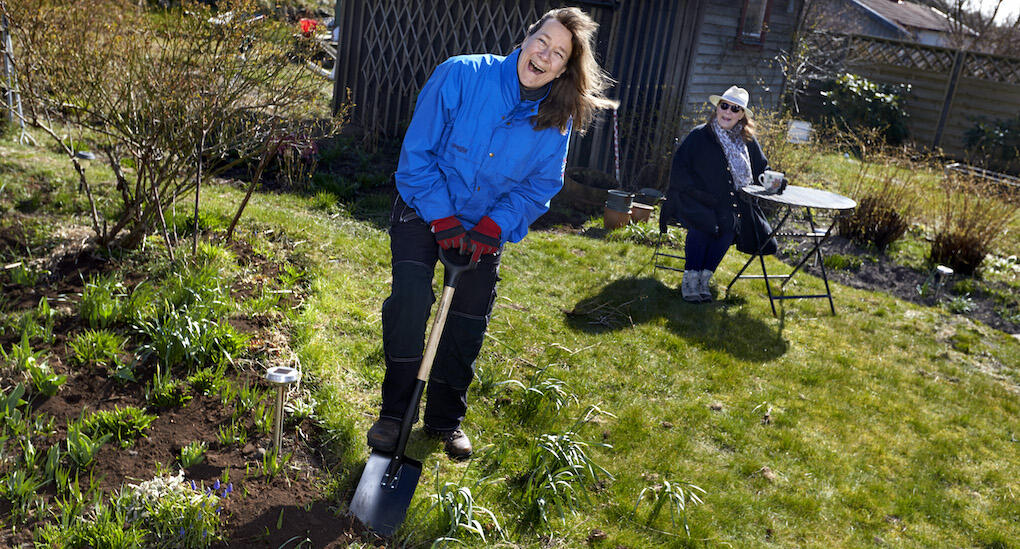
481, 159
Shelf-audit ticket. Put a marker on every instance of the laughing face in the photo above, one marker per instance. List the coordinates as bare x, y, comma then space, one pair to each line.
725, 116
544, 55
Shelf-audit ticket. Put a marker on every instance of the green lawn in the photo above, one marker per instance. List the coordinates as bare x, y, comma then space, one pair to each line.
879, 428
887, 424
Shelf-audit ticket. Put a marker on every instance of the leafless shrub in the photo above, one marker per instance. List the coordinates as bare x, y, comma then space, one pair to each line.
884, 190
969, 224
171, 99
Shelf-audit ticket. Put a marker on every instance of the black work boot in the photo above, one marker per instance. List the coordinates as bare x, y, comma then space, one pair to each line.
384, 434
455, 442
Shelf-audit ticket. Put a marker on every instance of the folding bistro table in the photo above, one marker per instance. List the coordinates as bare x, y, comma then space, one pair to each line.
806, 199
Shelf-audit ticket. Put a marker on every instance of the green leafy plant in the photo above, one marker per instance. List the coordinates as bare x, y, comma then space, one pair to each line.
206, 381
101, 302
174, 512
19, 487
233, 434
559, 475
248, 398
104, 527
675, 496
959, 304
11, 416
853, 100
645, 233
44, 381
21, 356
843, 262
273, 464
192, 454
165, 391
263, 415
186, 338
300, 408
82, 448
541, 391
125, 425
100, 348
23, 275
458, 514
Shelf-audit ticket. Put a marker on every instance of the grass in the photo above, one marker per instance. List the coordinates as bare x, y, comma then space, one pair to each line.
887, 421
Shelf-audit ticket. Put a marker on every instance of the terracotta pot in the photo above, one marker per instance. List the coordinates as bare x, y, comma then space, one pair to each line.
613, 219
640, 212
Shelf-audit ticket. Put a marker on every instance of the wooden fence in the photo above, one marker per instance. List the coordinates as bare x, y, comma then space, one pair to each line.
951, 89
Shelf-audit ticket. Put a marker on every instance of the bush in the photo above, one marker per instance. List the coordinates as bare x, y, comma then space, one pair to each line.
874, 223
885, 205
995, 143
969, 226
178, 96
853, 100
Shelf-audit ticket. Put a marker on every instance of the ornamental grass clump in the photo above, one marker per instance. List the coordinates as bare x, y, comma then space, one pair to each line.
968, 226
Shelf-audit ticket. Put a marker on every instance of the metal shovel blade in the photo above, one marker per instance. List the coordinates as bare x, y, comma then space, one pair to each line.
380, 502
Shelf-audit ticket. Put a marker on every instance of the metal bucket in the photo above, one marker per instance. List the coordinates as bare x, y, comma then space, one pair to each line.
619, 200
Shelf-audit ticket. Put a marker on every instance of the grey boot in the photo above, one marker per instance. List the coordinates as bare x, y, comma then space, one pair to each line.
703, 291
689, 286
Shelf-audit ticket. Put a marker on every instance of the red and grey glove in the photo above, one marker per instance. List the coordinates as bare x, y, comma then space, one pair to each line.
483, 239
449, 233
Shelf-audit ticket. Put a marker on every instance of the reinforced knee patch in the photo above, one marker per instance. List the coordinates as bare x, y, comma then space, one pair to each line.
406, 311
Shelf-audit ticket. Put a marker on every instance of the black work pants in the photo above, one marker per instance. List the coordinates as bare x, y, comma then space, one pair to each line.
405, 315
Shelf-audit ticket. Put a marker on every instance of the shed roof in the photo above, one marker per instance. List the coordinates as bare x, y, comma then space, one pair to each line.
908, 14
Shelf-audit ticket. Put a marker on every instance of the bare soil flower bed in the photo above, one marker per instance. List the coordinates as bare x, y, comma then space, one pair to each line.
260, 510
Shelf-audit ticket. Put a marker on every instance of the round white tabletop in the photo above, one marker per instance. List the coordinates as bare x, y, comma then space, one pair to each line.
804, 197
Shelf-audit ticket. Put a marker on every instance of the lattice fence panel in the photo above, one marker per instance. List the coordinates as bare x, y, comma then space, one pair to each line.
852, 49
993, 67
403, 41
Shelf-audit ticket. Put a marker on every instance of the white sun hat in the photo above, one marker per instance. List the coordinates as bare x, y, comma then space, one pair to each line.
735, 95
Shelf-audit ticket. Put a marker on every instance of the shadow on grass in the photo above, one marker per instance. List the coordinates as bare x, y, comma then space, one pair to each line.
724, 326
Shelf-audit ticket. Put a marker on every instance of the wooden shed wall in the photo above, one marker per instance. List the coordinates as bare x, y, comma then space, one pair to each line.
720, 63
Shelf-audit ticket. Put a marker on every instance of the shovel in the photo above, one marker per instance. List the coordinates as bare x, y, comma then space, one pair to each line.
388, 482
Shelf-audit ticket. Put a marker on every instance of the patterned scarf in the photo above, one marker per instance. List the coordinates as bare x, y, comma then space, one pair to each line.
735, 148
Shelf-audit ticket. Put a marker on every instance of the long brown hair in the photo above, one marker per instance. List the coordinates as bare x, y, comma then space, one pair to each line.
578, 93
746, 124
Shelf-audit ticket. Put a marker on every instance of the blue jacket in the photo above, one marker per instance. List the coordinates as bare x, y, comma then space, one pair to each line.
471, 151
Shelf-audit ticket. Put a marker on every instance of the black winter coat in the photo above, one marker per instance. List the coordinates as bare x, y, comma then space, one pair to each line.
701, 192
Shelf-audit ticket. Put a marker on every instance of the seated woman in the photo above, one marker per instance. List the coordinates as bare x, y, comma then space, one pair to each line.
712, 163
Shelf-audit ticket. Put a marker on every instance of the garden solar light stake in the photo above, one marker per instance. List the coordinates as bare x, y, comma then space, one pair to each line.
282, 377
389, 479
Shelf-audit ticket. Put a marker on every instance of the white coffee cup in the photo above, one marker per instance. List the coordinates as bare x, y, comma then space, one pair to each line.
771, 180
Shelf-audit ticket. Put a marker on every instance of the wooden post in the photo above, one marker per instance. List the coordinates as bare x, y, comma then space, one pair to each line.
947, 102
337, 87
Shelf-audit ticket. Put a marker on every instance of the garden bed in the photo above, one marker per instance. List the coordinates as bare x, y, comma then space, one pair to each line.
869, 270
264, 507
